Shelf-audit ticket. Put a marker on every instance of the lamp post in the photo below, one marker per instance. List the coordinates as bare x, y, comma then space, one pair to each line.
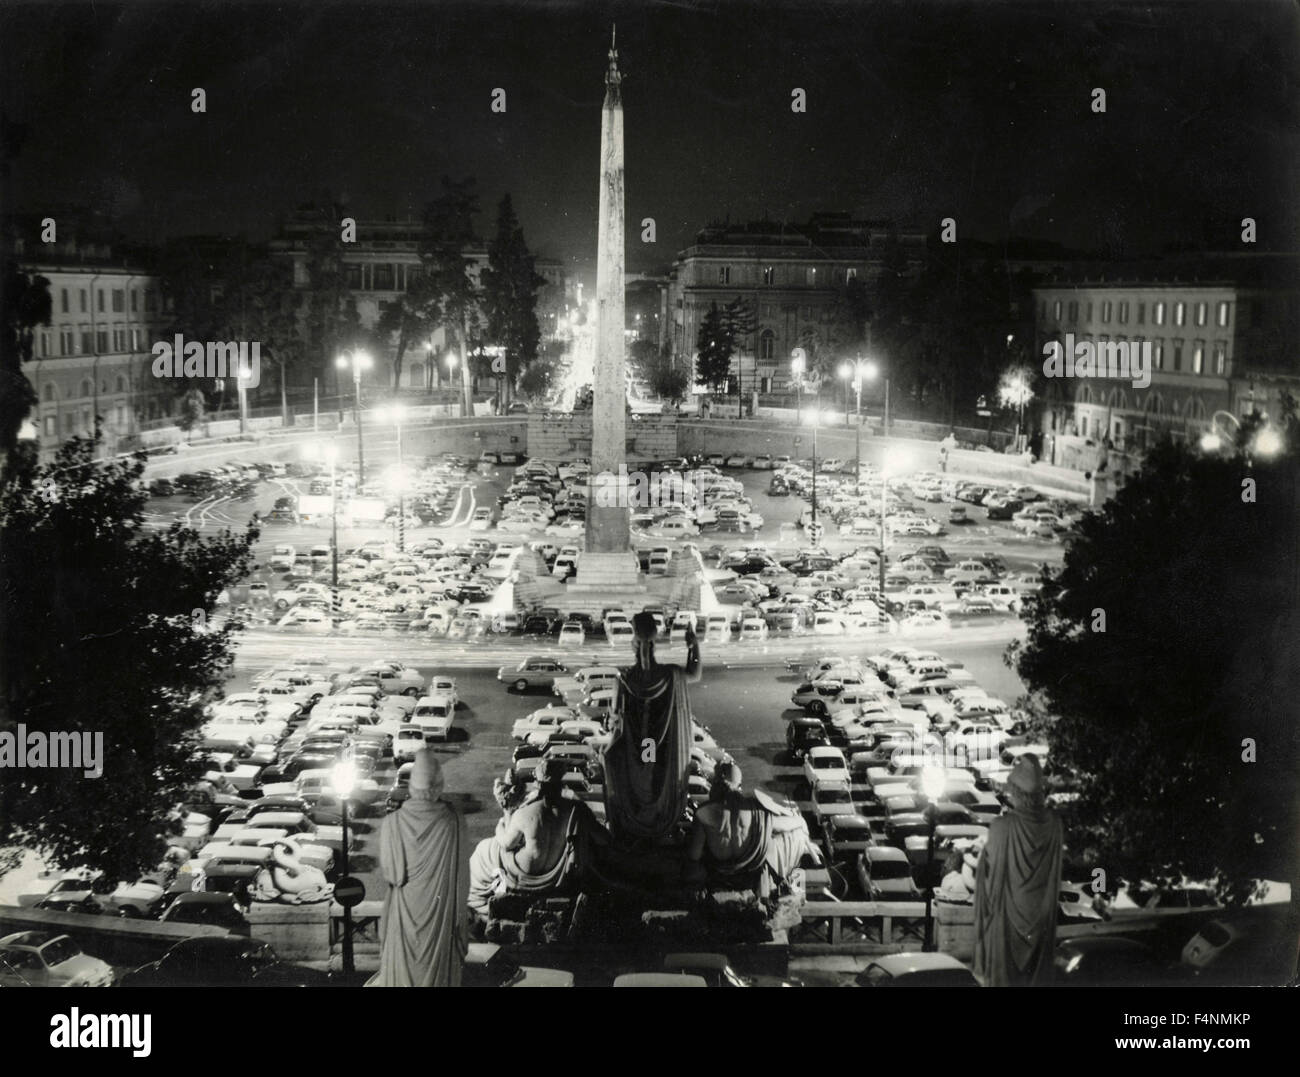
395, 413
797, 360
343, 779
358, 361
932, 783
846, 374
331, 453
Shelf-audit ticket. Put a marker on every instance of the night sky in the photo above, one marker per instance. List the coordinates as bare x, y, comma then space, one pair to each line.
915, 112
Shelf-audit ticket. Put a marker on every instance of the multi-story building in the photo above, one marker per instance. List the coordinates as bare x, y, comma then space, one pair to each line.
94, 357
383, 263
1211, 341
791, 277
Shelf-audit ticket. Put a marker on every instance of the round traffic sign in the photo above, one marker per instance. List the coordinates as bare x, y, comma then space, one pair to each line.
349, 892
815, 533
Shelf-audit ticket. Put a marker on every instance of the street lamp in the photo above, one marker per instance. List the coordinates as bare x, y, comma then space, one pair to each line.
1268, 440
892, 464
358, 361
871, 371
331, 453
343, 778
932, 785
846, 373
814, 529
796, 375
394, 413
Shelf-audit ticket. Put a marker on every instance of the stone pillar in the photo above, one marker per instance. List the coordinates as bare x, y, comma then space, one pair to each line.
607, 525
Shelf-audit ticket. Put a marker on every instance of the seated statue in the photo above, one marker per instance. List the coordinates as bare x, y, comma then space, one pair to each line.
743, 833
542, 847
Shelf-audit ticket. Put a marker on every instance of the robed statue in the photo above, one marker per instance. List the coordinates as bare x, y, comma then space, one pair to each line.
647, 761
1017, 885
423, 858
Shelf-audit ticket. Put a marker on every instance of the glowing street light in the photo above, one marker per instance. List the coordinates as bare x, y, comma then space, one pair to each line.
358, 361
932, 785
1268, 442
343, 777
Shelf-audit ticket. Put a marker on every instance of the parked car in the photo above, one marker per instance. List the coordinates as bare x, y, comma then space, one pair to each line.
213, 908
916, 969
532, 673
232, 961
48, 959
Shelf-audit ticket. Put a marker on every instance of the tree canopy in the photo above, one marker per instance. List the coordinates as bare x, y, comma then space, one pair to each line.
1163, 667
105, 628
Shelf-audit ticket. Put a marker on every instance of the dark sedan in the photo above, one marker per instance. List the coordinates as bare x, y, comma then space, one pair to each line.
233, 961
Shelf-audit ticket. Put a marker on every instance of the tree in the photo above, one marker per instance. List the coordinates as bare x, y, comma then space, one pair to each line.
329, 317
192, 410
510, 284
656, 368
412, 316
1163, 671
105, 628
27, 304
713, 350
738, 322
448, 233
538, 379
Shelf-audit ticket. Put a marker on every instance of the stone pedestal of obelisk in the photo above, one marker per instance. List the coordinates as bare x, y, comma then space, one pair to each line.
608, 567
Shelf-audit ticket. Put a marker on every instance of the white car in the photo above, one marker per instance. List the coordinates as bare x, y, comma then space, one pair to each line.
440, 684
548, 718
763, 462
282, 558
572, 634
408, 741
824, 764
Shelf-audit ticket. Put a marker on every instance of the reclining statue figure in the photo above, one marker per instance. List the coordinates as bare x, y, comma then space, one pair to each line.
542, 847
743, 833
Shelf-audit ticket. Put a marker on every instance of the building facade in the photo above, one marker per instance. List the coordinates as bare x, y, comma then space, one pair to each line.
792, 278
94, 357
1216, 345
382, 264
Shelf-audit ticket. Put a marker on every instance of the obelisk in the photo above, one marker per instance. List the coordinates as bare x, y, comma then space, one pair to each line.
607, 508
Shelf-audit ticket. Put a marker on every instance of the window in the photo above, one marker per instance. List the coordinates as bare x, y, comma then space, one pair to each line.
1158, 354
1074, 311
1142, 314
767, 344
121, 384
1221, 315
1105, 311
87, 389
1089, 317
1198, 356
383, 277
84, 300
353, 277
99, 297
67, 343
51, 426
1158, 314
1042, 310
101, 341
1056, 311
850, 274
135, 300
48, 392
811, 276
1201, 313
724, 274
1220, 356
65, 301
69, 421
135, 340
150, 300
119, 301
1123, 313
1178, 355
87, 342
1180, 313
